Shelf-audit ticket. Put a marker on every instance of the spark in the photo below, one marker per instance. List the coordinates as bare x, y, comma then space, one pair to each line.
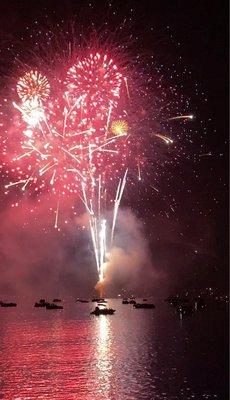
119, 193
108, 120
127, 88
27, 181
53, 176
206, 154
190, 116
15, 183
139, 170
165, 139
56, 215
154, 188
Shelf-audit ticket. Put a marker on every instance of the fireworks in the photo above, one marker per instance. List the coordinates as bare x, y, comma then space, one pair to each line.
119, 127
96, 78
77, 132
62, 145
32, 113
33, 85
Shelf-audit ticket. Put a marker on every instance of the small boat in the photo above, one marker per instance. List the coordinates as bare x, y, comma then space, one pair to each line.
103, 311
125, 301
97, 300
56, 300
53, 306
8, 304
41, 303
132, 302
144, 305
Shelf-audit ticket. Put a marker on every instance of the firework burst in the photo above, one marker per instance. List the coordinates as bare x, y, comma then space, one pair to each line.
33, 85
62, 146
119, 127
68, 136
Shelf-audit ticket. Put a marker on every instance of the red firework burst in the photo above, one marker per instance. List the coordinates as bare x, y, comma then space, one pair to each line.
60, 144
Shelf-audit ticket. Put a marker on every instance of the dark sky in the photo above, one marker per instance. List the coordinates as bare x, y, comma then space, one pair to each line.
192, 246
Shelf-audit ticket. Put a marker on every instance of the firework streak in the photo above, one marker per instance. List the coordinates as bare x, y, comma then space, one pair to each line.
68, 141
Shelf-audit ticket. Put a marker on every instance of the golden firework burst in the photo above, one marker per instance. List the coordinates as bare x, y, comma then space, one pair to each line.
33, 85
119, 127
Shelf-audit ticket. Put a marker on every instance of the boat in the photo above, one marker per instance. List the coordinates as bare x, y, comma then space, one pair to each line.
41, 303
132, 302
144, 305
102, 311
53, 306
125, 301
97, 300
8, 304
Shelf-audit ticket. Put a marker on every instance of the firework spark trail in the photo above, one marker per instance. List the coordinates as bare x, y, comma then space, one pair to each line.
57, 215
139, 170
181, 117
102, 248
98, 224
120, 190
165, 139
127, 88
15, 183
108, 120
154, 188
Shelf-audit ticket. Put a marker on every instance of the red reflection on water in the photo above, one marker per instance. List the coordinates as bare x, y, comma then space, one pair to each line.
55, 359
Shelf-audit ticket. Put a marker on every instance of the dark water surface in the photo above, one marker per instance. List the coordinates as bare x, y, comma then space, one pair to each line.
135, 354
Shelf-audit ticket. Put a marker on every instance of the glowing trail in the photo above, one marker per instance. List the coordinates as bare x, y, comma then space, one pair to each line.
127, 88
15, 183
165, 139
206, 154
120, 190
56, 216
182, 117
139, 170
154, 188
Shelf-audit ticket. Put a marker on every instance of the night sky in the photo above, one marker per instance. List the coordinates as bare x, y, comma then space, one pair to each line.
188, 247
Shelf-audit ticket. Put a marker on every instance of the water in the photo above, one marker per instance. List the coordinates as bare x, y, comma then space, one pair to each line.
135, 354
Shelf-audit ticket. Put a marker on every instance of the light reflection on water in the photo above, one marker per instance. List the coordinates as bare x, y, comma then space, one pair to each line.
133, 355
104, 355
